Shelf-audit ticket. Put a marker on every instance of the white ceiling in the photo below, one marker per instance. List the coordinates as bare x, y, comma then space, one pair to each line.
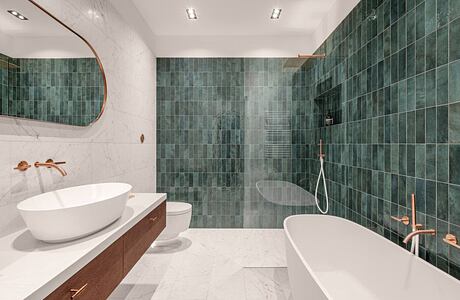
233, 17
235, 27
39, 24
39, 37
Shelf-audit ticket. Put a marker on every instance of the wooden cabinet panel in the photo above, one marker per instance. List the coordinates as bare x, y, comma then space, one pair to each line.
101, 276
139, 238
97, 279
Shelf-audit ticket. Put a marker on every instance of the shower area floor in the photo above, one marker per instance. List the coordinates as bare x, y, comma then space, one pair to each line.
212, 264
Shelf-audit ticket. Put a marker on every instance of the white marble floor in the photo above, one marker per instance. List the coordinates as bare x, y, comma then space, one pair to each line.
212, 264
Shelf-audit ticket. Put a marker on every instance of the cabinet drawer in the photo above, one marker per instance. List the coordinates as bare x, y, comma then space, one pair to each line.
97, 279
139, 238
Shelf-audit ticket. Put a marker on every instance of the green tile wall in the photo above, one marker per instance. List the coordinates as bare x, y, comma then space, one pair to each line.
390, 79
214, 141
4, 70
399, 75
67, 91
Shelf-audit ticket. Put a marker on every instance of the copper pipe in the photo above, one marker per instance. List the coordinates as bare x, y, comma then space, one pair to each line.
311, 56
414, 222
51, 164
418, 232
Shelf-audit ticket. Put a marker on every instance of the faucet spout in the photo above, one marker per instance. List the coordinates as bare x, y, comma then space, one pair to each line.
418, 232
51, 164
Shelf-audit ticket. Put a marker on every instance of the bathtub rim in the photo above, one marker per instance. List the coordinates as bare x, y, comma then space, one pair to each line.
313, 274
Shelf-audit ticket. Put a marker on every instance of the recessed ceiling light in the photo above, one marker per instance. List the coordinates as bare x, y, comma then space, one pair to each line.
191, 13
276, 13
17, 15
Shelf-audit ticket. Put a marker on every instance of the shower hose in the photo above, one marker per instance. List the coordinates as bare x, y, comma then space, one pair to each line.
321, 173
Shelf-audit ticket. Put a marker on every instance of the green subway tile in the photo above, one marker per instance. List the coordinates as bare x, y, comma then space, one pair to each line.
431, 162
442, 153
454, 164
431, 198
411, 94
442, 201
442, 11
420, 21
454, 9
454, 79
454, 123
454, 204
420, 161
420, 126
420, 56
442, 83
454, 42
430, 16
410, 20
431, 128
410, 160
430, 87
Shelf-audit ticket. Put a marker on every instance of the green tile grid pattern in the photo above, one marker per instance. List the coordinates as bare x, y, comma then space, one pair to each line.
214, 140
3, 81
394, 69
400, 80
66, 91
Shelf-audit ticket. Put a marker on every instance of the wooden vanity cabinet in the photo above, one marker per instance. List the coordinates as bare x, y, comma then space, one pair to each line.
139, 238
102, 275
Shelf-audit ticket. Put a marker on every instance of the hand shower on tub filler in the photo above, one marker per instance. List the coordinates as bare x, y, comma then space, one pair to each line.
321, 174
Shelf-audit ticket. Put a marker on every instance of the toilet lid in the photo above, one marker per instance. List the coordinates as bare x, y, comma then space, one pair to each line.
177, 208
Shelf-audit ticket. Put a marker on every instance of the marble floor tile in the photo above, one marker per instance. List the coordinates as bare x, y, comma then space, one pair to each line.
211, 264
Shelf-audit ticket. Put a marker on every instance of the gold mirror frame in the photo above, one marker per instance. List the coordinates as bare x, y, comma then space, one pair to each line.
104, 101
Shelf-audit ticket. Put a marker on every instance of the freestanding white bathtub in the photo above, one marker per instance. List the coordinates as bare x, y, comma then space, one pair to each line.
333, 258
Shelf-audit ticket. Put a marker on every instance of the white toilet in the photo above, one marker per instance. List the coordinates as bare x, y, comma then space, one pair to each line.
178, 217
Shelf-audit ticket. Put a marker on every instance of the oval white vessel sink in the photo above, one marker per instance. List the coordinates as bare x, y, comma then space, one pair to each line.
75, 212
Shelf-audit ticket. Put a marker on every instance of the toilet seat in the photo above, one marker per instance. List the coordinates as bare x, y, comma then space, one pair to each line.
177, 208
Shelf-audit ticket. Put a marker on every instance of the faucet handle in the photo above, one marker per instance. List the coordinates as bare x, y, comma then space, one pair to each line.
451, 240
403, 219
22, 166
50, 161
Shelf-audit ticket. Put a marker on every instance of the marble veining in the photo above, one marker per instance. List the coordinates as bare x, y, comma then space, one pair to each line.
110, 149
212, 264
20, 251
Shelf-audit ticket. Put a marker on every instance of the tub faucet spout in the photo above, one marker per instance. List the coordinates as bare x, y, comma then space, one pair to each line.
418, 232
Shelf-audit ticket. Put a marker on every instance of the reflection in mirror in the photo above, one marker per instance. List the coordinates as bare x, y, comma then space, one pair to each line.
47, 71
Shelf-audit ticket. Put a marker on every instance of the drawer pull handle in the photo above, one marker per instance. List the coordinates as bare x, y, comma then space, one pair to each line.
153, 219
77, 292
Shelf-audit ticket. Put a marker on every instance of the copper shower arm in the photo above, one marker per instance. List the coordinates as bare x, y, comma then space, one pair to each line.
311, 56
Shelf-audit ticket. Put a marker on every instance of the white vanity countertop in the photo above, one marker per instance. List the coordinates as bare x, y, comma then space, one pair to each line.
31, 269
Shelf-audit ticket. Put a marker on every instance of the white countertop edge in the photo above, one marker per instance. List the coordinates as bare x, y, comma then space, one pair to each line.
67, 272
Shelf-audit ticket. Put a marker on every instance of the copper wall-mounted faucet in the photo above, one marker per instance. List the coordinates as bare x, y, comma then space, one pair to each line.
51, 164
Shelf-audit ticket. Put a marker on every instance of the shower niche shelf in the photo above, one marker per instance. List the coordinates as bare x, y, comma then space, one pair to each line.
327, 105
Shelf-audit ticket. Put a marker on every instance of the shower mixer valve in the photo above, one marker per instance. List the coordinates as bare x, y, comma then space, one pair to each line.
321, 154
